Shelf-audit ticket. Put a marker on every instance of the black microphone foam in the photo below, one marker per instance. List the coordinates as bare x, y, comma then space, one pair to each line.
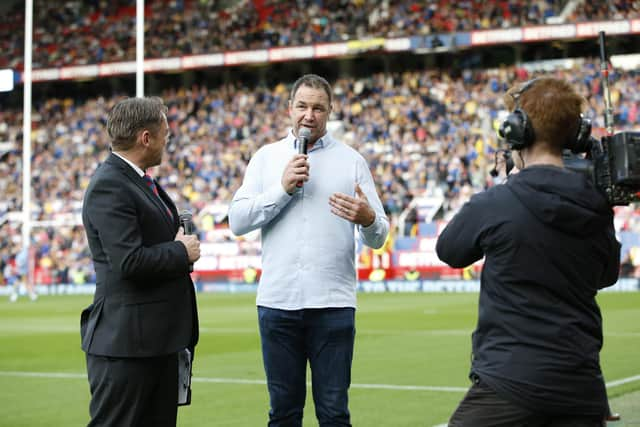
186, 221
303, 140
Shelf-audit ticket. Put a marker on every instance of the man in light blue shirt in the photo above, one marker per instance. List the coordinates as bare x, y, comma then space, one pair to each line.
307, 207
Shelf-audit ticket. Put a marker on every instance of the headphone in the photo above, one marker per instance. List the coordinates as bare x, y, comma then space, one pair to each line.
517, 129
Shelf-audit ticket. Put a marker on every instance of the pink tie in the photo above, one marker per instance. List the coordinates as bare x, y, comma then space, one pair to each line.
152, 185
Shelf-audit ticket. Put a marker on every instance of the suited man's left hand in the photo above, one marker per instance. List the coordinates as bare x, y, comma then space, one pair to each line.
191, 244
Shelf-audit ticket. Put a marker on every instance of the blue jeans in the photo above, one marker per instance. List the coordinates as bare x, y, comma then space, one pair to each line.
325, 338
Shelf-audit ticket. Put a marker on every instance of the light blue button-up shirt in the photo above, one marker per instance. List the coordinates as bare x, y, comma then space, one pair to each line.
308, 253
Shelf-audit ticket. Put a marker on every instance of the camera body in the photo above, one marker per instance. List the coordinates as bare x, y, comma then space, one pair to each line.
612, 164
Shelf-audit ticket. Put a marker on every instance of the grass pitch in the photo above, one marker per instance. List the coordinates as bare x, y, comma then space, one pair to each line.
410, 365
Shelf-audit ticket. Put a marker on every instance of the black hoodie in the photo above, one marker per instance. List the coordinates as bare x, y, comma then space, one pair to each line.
549, 244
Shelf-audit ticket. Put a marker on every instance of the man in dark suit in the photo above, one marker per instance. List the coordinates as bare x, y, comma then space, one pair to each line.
144, 309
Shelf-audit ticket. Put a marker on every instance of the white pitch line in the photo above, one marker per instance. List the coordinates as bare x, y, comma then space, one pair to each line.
410, 387
610, 384
228, 381
41, 374
621, 381
26, 329
421, 332
239, 381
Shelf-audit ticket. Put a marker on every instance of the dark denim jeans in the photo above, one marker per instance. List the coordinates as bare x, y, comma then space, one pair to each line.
325, 338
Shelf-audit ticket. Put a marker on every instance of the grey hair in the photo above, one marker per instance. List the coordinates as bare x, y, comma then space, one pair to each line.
314, 81
132, 115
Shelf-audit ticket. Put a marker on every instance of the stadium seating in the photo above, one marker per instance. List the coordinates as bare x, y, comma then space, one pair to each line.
414, 129
428, 135
88, 32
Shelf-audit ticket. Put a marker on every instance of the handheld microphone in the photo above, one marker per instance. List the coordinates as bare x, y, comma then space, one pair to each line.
186, 221
303, 141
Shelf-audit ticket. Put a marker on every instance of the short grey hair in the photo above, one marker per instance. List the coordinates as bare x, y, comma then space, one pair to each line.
132, 115
313, 81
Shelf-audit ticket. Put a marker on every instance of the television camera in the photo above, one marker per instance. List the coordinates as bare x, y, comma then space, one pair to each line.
611, 163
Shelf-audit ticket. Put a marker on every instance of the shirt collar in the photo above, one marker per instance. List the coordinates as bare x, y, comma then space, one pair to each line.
130, 163
322, 142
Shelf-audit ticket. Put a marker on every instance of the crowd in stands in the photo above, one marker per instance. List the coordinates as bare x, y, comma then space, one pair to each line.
75, 32
605, 10
422, 132
59, 255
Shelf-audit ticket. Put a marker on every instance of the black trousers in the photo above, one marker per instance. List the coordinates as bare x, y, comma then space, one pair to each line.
132, 392
482, 407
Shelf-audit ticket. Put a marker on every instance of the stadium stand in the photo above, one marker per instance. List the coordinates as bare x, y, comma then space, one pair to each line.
424, 133
428, 134
87, 32
602, 10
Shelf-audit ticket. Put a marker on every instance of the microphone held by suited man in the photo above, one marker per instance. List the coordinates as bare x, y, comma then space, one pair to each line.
186, 221
185, 357
303, 142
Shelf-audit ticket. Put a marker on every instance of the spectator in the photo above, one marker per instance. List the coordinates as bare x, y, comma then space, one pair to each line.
73, 32
422, 133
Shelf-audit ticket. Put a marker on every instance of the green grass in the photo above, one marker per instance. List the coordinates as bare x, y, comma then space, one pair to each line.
402, 340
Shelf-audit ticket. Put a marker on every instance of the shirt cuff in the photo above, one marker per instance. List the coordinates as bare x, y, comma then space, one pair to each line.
277, 196
371, 227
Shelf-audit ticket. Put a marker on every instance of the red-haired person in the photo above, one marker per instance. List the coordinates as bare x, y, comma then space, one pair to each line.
549, 245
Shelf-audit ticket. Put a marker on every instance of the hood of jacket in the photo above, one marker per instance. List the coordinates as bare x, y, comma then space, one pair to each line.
564, 199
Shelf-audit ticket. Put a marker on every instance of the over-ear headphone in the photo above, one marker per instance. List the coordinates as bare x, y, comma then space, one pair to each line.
517, 129
582, 142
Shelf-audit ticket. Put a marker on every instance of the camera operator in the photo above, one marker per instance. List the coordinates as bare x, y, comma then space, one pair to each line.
549, 245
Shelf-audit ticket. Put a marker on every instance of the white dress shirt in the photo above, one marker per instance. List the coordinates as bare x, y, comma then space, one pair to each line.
130, 163
308, 253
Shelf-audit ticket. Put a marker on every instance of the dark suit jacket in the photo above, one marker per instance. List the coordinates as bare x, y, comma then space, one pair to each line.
144, 304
